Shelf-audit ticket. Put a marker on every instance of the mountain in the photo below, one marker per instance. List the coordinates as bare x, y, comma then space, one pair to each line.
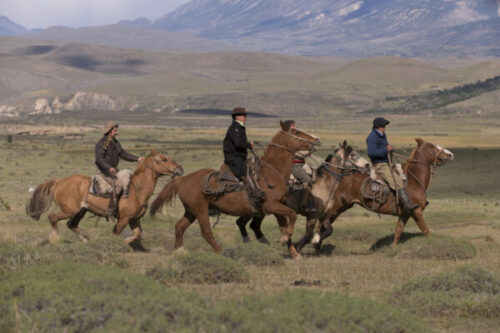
9, 28
419, 28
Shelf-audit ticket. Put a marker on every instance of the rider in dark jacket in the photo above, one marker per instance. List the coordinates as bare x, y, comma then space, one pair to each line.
235, 144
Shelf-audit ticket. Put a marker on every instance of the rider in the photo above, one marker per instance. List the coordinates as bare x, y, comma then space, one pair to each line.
378, 150
107, 153
298, 171
235, 144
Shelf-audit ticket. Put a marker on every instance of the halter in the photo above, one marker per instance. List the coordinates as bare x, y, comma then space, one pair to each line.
433, 165
298, 138
169, 171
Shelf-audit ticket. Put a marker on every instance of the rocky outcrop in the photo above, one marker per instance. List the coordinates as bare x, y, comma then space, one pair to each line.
92, 101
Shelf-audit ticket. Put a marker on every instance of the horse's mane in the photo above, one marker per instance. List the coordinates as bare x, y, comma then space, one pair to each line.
328, 159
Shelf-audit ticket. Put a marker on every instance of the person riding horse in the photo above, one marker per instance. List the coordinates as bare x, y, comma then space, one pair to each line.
235, 144
108, 151
378, 151
300, 173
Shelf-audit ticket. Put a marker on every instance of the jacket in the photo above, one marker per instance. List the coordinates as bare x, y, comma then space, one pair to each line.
376, 143
107, 155
235, 142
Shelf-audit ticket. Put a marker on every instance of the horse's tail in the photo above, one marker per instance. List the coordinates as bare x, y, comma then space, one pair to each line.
166, 195
41, 200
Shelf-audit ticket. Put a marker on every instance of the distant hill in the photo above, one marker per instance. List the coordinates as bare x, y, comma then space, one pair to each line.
419, 28
131, 35
10, 28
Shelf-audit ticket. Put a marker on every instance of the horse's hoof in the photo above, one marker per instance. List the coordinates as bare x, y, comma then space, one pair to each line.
284, 239
54, 237
84, 240
129, 240
180, 250
264, 240
315, 239
246, 239
298, 257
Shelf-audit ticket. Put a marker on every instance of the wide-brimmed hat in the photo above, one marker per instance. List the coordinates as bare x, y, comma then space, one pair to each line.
109, 126
239, 111
380, 122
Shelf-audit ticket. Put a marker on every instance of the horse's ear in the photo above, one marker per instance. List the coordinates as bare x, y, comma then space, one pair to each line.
419, 141
283, 127
345, 143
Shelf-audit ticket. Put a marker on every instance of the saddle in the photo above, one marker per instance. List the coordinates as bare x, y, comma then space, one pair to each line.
375, 189
227, 183
101, 188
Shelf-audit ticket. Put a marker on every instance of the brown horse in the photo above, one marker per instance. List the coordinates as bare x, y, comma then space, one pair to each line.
418, 170
274, 174
327, 178
72, 195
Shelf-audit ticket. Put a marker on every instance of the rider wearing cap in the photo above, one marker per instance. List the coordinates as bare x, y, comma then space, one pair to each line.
108, 151
378, 151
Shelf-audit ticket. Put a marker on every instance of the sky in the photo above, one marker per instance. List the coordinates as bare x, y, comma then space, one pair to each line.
77, 13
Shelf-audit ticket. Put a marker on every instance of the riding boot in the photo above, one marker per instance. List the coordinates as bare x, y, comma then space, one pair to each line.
405, 201
110, 212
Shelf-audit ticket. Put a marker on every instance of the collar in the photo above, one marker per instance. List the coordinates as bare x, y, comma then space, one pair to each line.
239, 122
382, 134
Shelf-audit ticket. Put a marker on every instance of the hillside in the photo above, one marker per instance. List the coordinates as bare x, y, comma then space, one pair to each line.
347, 28
53, 77
10, 28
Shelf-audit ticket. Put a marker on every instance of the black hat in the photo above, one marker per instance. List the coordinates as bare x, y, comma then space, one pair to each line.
380, 122
239, 111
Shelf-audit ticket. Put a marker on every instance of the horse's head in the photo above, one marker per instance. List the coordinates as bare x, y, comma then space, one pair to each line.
298, 139
351, 159
433, 153
162, 164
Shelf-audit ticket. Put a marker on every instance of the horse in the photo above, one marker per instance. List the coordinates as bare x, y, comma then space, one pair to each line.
326, 179
276, 167
72, 195
419, 173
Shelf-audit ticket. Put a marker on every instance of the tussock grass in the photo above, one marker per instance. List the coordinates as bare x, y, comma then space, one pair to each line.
254, 254
199, 267
105, 251
437, 246
468, 291
77, 297
316, 311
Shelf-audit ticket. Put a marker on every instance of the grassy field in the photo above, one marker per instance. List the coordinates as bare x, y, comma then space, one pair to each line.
447, 283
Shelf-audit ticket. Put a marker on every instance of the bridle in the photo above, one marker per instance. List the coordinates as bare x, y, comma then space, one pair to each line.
433, 164
169, 170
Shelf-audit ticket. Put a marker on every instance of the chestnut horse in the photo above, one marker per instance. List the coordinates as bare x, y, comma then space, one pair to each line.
327, 177
72, 195
418, 170
273, 177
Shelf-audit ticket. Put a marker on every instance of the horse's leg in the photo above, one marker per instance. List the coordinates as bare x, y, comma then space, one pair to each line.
135, 240
255, 225
282, 221
287, 226
73, 222
53, 219
180, 228
326, 230
242, 222
418, 216
399, 230
120, 225
308, 235
206, 230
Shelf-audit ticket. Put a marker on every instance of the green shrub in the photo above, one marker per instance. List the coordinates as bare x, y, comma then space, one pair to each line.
468, 291
200, 267
78, 297
436, 246
315, 311
255, 254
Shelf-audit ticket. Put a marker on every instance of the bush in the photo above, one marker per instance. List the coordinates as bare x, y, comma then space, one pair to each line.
77, 297
468, 291
315, 311
436, 246
254, 254
200, 267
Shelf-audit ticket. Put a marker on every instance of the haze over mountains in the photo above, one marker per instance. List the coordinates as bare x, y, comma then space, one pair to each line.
360, 28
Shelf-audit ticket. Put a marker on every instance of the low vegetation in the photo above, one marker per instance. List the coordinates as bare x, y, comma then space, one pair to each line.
199, 267
468, 291
254, 254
